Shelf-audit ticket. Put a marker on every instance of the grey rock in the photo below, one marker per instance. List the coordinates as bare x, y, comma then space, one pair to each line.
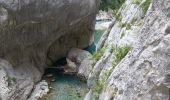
77, 55
39, 91
144, 73
89, 95
36, 33
85, 68
81, 61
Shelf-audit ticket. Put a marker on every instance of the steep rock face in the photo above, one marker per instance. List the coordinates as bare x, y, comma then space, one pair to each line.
34, 34
144, 73
123, 31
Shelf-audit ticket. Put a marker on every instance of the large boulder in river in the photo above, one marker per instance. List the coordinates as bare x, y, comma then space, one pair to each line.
81, 61
34, 34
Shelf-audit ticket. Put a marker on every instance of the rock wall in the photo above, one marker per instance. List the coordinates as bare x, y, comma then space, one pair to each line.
144, 73
34, 34
122, 31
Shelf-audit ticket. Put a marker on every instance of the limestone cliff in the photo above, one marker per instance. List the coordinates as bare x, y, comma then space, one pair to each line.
143, 74
34, 34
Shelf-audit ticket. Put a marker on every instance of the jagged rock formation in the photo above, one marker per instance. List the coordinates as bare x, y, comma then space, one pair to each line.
34, 34
144, 73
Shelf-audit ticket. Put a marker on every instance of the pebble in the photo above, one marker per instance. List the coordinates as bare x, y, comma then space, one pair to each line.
53, 80
49, 75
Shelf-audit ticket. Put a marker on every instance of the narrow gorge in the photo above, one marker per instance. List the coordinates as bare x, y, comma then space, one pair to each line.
84, 50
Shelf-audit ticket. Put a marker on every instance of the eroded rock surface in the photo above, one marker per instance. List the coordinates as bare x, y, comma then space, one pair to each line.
35, 33
81, 62
40, 90
144, 73
122, 31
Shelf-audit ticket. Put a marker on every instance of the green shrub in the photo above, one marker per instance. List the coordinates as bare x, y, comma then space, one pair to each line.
137, 2
120, 53
118, 16
122, 25
98, 87
133, 21
145, 5
98, 55
122, 35
128, 26
10, 80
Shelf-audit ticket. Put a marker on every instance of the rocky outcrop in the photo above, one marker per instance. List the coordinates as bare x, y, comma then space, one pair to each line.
81, 62
34, 34
144, 73
40, 90
116, 42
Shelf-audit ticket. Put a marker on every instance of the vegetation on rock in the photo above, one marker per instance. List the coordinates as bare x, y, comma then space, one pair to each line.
10, 80
144, 5
120, 53
98, 55
98, 87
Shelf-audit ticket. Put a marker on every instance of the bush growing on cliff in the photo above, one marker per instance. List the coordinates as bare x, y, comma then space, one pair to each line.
120, 53
145, 5
137, 2
122, 35
98, 87
10, 80
98, 55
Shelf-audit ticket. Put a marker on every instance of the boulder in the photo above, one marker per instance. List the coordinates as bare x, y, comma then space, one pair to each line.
81, 61
36, 33
85, 68
39, 91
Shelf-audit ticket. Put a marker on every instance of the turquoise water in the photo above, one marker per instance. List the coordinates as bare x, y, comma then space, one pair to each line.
64, 87
103, 21
98, 34
91, 48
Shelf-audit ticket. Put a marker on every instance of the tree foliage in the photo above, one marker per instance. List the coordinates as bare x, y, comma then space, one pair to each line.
110, 4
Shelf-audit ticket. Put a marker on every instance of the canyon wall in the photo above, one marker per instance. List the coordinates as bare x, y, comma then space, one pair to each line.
143, 74
36, 33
